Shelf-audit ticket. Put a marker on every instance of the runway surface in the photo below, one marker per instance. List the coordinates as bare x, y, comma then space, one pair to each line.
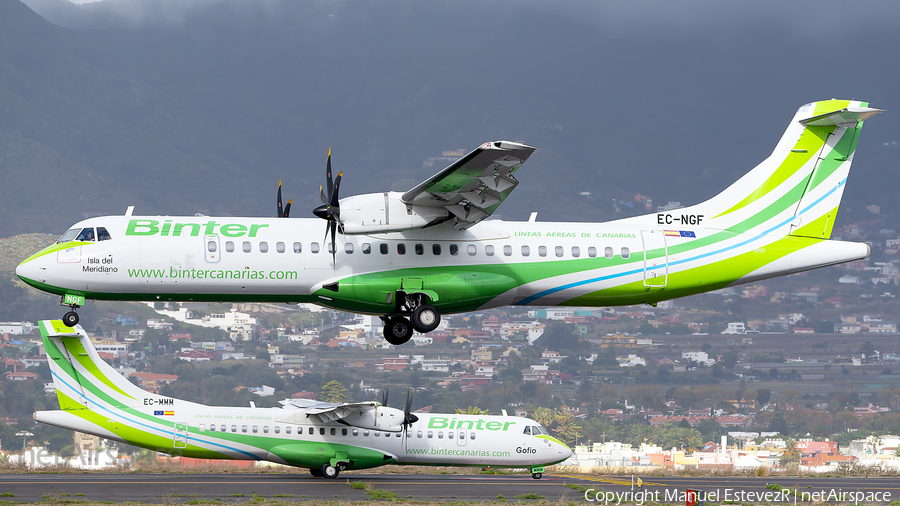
173, 488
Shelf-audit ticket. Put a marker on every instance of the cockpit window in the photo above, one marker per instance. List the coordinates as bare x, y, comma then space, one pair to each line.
86, 234
537, 430
102, 234
527, 430
69, 235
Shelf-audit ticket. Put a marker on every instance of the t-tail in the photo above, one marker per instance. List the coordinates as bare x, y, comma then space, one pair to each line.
787, 203
96, 399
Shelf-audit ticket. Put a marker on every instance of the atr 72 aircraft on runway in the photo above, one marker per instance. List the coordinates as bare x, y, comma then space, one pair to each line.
430, 251
326, 438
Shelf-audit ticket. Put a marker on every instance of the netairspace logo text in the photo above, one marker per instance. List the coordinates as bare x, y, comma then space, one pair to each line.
785, 495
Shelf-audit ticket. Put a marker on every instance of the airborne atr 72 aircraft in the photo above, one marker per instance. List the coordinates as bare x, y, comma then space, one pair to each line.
410, 257
326, 438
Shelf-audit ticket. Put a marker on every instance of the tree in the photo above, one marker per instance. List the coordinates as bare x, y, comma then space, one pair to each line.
334, 391
791, 454
471, 410
763, 395
867, 349
778, 424
565, 426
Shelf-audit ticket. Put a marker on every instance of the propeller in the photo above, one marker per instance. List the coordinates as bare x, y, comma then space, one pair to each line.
283, 213
384, 394
330, 209
408, 417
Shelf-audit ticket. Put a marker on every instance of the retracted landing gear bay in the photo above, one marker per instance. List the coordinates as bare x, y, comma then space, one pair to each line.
73, 301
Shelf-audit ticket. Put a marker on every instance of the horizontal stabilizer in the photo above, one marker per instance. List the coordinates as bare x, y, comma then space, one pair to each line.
848, 117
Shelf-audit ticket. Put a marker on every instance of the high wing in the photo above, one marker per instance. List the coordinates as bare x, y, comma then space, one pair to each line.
367, 415
474, 186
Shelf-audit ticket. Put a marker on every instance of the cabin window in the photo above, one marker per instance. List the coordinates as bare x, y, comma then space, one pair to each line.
592, 252
626, 252
263, 247
471, 250
333, 431
419, 434
608, 252
348, 248
450, 434
102, 234
507, 250
69, 235
212, 428
255, 429
355, 432
440, 434
454, 250
287, 430
542, 251
420, 249
365, 432
321, 431
246, 246
383, 247
462, 434
396, 434
330, 247
277, 429
366, 248
576, 251
527, 430
234, 428
202, 428
471, 435
436, 249
279, 247
211, 246
314, 247
229, 246
298, 247
559, 251
408, 434
489, 250
311, 431
265, 429
377, 433
430, 435
244, 429
401, 249
343, 432
526, 251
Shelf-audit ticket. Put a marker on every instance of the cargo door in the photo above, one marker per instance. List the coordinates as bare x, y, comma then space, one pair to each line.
656, 258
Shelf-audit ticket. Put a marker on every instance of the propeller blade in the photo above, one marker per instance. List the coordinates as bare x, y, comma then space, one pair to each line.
287, 208
384, 395
280, 210
335, 199
329, 184
322, 196
333, 226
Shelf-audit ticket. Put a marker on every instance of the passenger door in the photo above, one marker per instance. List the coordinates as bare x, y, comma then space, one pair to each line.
656, 258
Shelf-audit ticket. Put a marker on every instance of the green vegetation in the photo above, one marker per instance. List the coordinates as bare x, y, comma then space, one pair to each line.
358, 485
382, 495
530, 495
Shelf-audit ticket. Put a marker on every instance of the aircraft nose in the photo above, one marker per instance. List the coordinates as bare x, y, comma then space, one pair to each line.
29, 271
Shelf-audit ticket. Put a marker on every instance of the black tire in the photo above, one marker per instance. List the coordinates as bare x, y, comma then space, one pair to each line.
317, 473
397, 330
537, 476
426, 318
70, 319
330, 472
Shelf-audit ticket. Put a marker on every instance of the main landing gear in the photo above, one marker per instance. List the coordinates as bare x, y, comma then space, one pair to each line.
423, 318
328, 471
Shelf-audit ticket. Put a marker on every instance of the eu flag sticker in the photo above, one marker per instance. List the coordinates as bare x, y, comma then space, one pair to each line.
158, 413
686, 233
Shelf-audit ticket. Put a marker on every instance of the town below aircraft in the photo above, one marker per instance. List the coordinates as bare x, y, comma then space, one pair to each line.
431, 251
324, 437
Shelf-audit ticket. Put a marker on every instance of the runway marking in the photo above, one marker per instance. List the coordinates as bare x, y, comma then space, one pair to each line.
305, 482
611, 481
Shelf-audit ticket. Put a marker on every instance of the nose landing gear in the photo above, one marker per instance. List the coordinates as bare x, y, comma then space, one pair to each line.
70, 319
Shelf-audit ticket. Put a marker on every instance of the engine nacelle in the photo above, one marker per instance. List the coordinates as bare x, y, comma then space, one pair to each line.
375, 213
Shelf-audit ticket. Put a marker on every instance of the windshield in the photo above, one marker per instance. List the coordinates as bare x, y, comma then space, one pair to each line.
86, 235
69, 235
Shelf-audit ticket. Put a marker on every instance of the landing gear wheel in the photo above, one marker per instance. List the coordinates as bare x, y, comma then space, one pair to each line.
397, 330
70, 319
537, 476
329, 471
426, 318
317, 473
